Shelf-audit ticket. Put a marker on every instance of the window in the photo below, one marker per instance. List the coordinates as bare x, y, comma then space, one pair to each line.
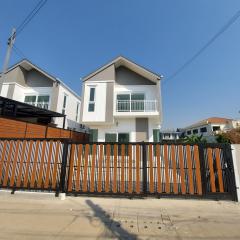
77, 111
64, 104
110, 137
123, 137
91, 104
189, 132
195, 131
41, 101
216, 128
93, 135
156, 135
130, 102
203, 129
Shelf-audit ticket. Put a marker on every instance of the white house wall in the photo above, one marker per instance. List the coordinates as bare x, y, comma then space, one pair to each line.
100, 102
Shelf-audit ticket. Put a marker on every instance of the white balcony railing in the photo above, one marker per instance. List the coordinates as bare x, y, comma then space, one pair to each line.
136, 106
39, 104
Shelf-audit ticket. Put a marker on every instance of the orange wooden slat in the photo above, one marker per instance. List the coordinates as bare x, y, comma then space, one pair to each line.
150, 152
138, 168
108, 151
210, 165
32, 184
190, 173
219, 170
182, 172
2, 158
167, 183
122, 187
100, 169
5, 180
46, 183
14, 164
79, 162
92, 183
173, 155
21, 165
159, 184
198, 171
54, 175
130, 189
71, 167
39, 184
25, 181
115, 169
85, 180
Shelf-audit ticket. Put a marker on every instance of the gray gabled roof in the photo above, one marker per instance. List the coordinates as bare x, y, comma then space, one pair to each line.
123, 61
28, 65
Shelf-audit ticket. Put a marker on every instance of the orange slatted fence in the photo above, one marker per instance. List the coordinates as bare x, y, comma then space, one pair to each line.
112, 168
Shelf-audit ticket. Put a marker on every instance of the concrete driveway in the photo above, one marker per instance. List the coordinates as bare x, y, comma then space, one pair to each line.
42, 216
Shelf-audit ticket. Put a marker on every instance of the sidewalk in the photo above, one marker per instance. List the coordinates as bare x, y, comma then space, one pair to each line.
42, 216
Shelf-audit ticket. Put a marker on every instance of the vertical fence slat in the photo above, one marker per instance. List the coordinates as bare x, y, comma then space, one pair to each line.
150, 155
85, 182
25, 181
100, 169
190, 172
5, 180
210, 165
39, 183
175, 187
159, 182
182, 174
35, 161
2, 159
14, 164
21, 165
130, 189
122, 188
79, 162
138, 168
54, 176
115, 169
219, 170
198, 171
71, 167
92, 183
167, 183
108, 151
46, 183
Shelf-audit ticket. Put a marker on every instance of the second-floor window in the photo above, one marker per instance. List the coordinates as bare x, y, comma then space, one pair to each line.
41, 101
64, 104
91, 103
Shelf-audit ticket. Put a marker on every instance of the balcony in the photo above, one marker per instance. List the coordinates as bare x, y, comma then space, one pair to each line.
43, 105
136, 106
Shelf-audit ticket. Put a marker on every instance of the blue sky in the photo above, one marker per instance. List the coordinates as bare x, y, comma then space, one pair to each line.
69, 39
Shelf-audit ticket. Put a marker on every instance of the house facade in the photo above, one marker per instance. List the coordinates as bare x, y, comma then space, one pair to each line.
121, 101
25, 82
209, 127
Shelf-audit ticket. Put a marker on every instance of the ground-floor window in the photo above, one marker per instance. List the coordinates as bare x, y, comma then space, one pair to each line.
123, 137
110, 137
156, 135
93, 135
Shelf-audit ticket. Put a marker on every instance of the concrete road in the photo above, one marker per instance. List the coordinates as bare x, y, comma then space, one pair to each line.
42, 216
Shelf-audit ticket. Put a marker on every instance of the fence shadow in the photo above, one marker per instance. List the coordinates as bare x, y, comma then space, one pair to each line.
114, 227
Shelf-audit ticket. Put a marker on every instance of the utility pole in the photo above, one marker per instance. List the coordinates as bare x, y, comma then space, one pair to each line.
10, 43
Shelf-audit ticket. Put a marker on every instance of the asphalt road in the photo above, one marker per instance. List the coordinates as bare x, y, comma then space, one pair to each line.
43, 216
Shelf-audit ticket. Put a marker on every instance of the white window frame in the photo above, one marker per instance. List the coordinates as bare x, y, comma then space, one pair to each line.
36, 101
64, 107
94, 101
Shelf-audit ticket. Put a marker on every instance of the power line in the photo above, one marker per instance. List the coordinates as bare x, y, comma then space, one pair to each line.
18, 52
202, 49
30, 16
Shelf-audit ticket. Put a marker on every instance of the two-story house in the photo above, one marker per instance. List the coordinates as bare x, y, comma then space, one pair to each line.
25, 82
121, 101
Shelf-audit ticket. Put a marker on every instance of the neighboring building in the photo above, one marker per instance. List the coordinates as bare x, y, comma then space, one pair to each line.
170, 134
25, 82
121, 101
210, 127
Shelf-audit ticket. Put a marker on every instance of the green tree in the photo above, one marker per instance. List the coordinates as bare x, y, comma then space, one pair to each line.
194, 139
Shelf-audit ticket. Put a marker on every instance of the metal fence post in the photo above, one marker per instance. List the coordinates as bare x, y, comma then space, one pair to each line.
227, 151
203, 169
144, 159
62, 188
